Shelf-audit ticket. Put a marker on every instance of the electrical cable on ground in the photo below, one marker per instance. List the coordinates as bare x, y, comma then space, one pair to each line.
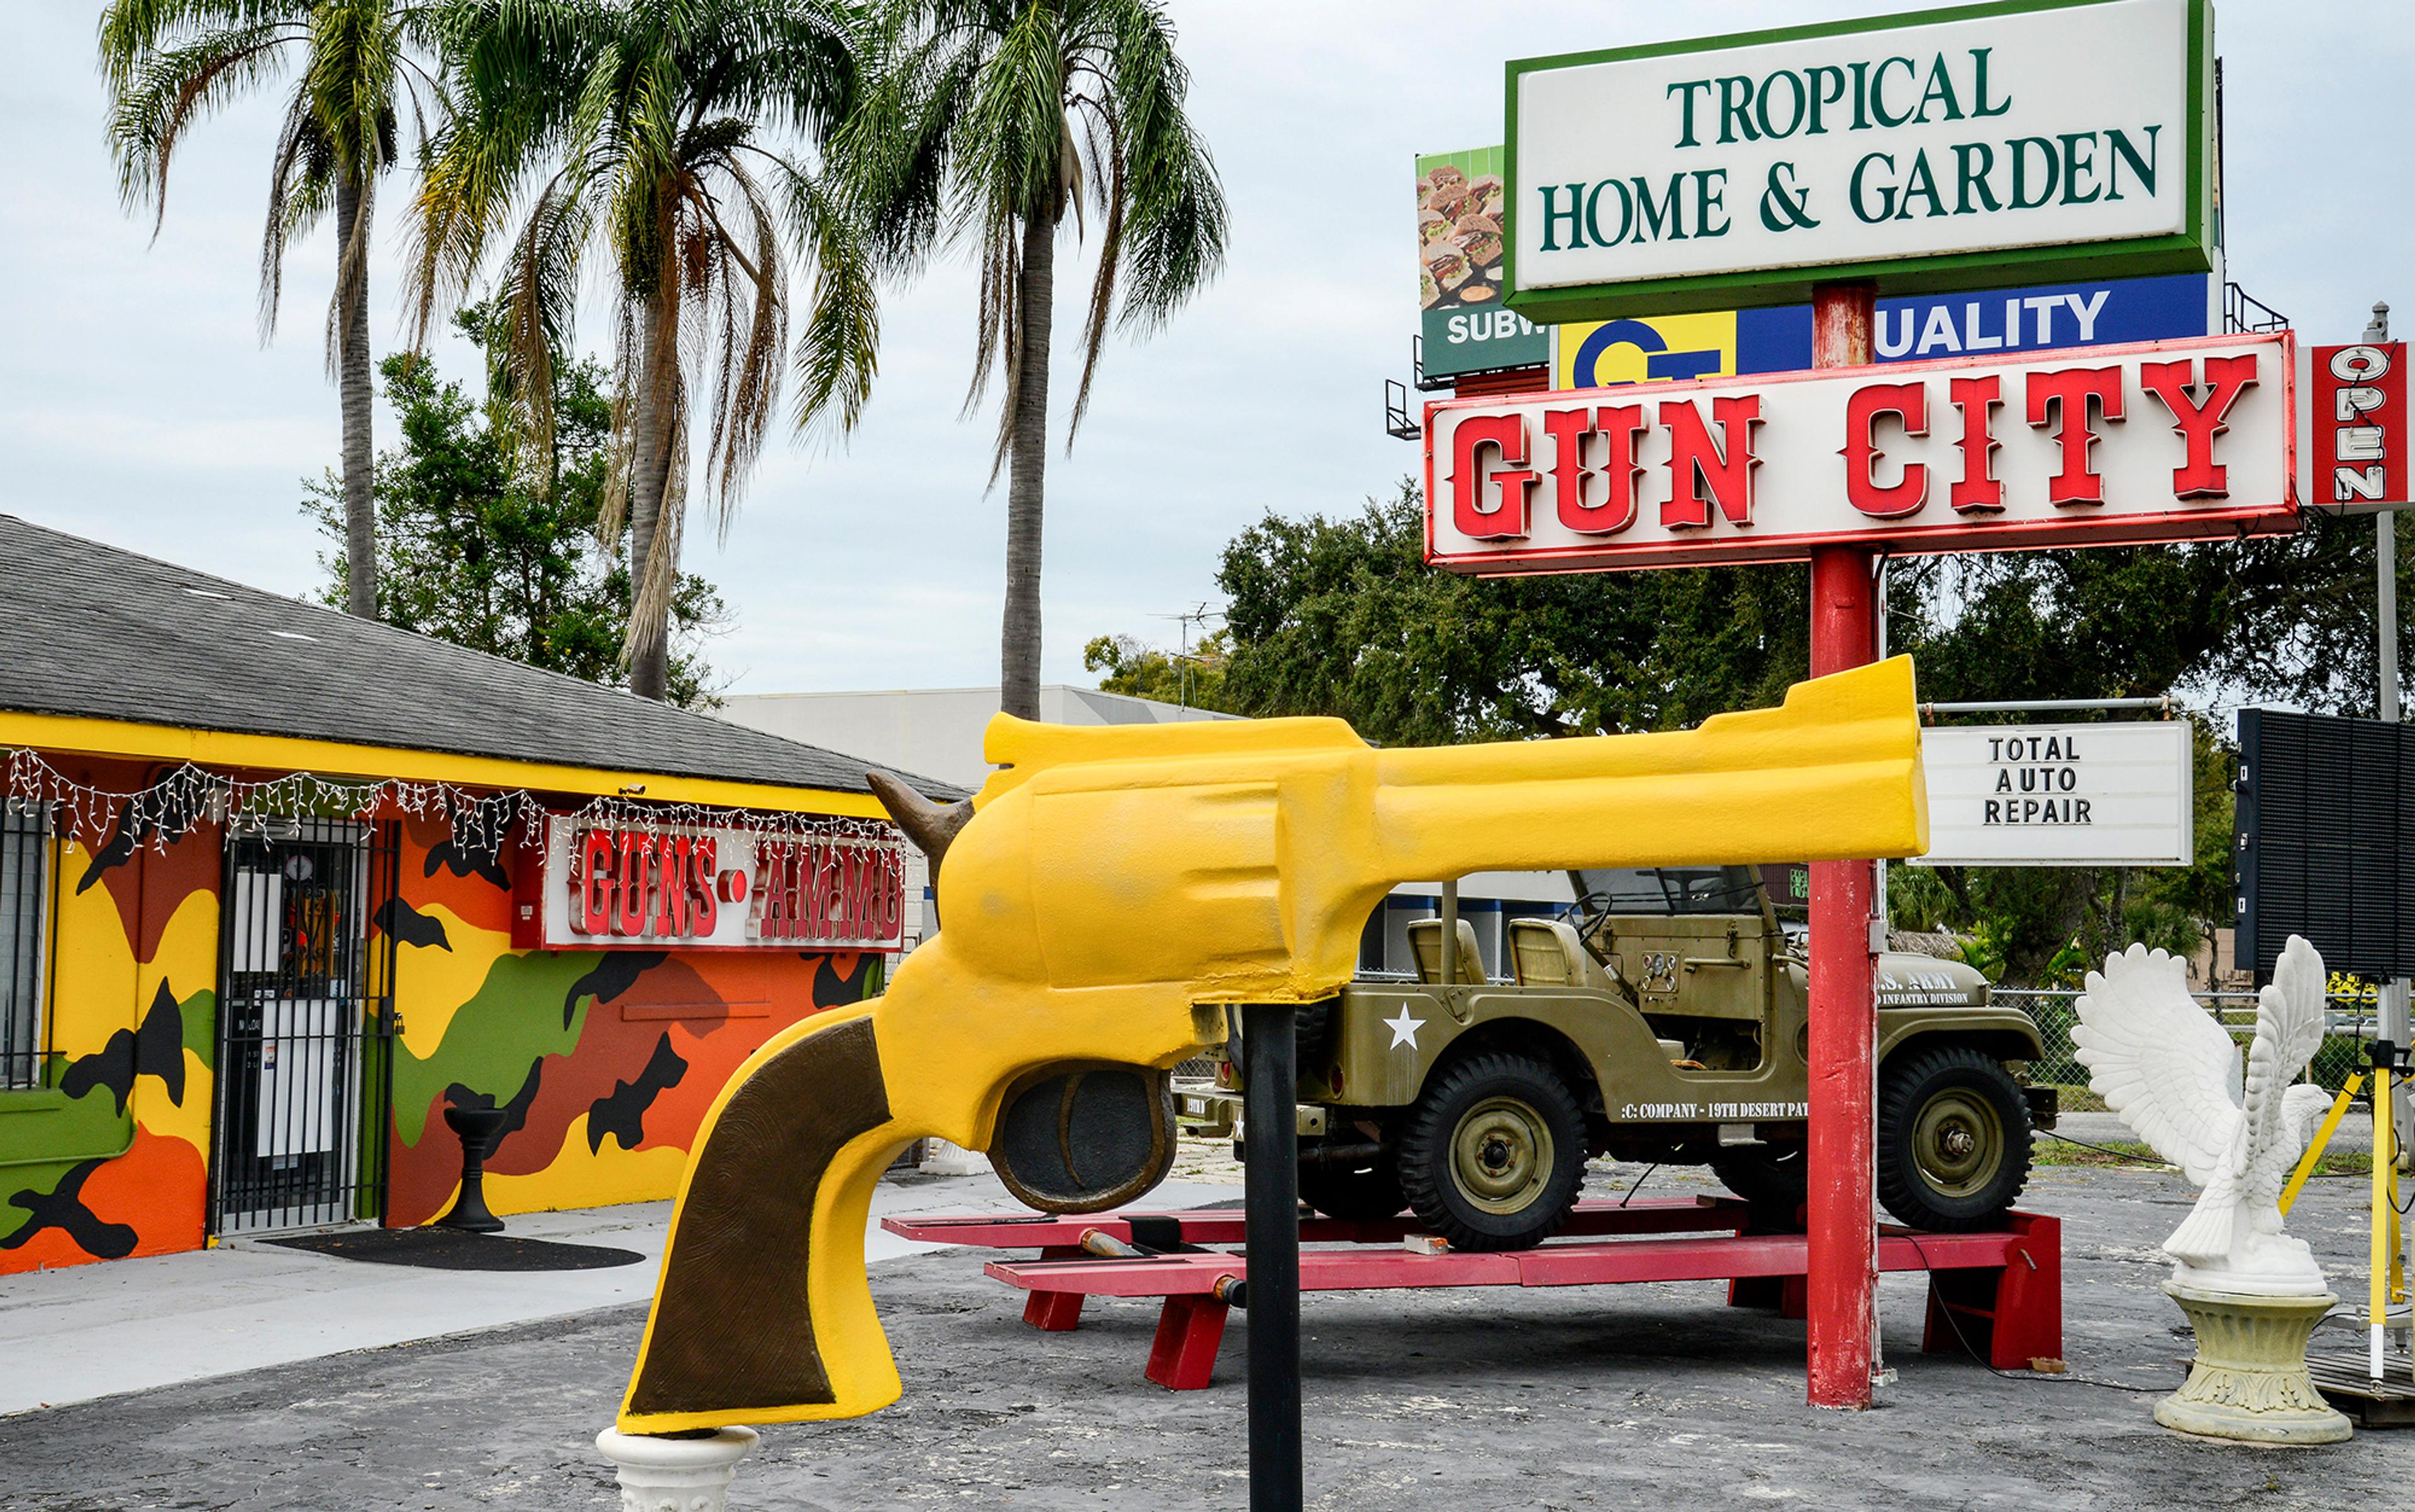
1955, 1323
2124, 1156
1638, 1182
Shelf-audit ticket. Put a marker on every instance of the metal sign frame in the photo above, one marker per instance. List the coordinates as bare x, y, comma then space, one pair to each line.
2188, 250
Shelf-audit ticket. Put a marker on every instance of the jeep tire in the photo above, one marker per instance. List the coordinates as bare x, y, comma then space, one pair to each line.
1491, 1156
1771, 1176
1371, 1191
1953, 1139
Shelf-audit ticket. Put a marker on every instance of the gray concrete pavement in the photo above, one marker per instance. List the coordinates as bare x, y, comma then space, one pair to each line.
1655, 1397
88, 1331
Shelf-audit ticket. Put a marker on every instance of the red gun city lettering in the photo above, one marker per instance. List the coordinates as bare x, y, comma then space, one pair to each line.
1496, 469
2175, 441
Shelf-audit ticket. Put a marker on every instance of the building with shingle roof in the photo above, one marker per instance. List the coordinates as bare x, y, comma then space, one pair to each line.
287, 898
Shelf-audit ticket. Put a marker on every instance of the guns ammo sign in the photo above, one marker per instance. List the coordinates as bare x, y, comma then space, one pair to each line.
708, 888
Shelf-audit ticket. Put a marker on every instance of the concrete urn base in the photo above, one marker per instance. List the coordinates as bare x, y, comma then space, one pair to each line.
675, 1474
2249, 1379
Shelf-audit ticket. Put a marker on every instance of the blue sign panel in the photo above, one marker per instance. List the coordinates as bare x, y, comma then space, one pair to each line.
2011, 319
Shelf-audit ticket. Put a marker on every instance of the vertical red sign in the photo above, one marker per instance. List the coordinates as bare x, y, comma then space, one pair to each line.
2360, 431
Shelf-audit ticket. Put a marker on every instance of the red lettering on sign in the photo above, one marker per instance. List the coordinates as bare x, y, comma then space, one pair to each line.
668, 917
2198, 420
1977, 491
2063, 396
1507, 435
1907, 402
764, 915
591, 888
1620, 474
704, 909
1701, 474
629, 919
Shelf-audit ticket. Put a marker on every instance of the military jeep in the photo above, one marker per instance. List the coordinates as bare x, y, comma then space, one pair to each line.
1659, 1018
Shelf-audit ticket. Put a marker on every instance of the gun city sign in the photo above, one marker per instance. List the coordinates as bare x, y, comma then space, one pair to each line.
1938, 151
716, 889
2171, 440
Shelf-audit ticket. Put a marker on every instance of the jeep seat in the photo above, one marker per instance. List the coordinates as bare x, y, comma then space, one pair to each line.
1425, 939
1546, 952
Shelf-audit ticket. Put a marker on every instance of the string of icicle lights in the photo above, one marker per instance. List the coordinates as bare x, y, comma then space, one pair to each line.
480, 822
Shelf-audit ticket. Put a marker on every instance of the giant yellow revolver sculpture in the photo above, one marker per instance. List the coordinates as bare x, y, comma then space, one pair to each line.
1114, 891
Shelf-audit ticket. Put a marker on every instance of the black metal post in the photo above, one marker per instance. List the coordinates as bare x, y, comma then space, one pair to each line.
1269, 1103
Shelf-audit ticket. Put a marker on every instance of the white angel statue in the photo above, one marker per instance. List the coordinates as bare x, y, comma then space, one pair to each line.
2162, 1063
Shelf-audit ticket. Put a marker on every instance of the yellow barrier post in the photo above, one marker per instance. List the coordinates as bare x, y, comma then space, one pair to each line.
2322, 1138
2385, 1155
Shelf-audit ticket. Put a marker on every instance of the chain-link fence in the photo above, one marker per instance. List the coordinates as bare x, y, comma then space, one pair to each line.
2348, 1023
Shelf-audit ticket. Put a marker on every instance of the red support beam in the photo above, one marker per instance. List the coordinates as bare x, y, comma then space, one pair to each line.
1842, 1261
1998, 1294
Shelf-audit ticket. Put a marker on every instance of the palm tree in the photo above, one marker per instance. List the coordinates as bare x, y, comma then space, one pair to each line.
168, 63
664, 135
986, 121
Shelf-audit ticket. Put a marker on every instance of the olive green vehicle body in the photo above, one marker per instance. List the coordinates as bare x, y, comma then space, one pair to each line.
1692, 1033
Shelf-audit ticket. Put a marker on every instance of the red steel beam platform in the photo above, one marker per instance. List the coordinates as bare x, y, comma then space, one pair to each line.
2003, 1288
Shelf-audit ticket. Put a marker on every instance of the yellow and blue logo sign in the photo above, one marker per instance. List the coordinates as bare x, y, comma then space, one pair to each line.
1671, 348
1663, 348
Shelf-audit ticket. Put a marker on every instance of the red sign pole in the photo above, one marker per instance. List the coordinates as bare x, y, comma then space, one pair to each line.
1842, 1286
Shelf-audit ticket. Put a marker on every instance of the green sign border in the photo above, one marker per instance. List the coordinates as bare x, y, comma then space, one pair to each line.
1932, 274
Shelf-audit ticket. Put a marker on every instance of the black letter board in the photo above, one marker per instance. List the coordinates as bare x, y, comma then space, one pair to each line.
2324, 810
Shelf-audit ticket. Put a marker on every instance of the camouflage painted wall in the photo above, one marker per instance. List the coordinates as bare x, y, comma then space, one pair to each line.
606, 1059
110, 1160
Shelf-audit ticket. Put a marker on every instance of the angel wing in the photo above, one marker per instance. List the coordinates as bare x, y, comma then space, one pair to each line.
2160, 1060
2288, 1031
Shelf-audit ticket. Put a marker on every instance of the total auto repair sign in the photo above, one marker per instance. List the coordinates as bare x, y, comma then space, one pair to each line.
707, 889
2171, 440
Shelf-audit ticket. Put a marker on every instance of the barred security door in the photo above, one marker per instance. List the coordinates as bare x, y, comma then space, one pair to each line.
307, 1025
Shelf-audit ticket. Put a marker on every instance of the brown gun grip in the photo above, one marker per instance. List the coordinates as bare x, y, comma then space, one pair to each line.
731, 1332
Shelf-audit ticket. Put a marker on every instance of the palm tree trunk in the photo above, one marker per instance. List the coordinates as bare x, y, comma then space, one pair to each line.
649, 468
1019, 642
353, 385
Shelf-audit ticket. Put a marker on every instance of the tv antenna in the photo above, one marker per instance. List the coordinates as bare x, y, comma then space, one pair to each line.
1198, 616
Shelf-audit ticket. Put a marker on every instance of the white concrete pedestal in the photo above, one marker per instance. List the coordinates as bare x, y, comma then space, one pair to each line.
675, 1474
2249, 1379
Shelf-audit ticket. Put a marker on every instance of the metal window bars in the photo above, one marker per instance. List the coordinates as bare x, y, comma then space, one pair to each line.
307, 1025
25, 848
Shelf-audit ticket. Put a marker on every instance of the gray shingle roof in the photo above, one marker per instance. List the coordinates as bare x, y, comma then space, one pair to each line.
90, 630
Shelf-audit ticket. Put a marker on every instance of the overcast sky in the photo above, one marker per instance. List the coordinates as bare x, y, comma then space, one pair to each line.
137, 405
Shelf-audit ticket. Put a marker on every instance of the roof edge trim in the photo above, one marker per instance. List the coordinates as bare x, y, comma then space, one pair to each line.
95, 737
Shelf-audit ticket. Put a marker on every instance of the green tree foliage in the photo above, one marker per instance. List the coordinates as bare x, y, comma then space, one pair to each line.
1340, 616
672, 140
984, 122
1142, 671
486, 551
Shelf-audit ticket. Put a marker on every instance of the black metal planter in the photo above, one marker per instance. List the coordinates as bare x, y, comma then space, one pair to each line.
479, 1129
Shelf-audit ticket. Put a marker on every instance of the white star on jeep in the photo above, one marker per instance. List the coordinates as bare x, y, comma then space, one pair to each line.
1404, 1029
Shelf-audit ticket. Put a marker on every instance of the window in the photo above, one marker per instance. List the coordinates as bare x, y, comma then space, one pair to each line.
24, 908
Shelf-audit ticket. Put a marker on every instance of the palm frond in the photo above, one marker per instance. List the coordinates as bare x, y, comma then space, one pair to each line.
156, 92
